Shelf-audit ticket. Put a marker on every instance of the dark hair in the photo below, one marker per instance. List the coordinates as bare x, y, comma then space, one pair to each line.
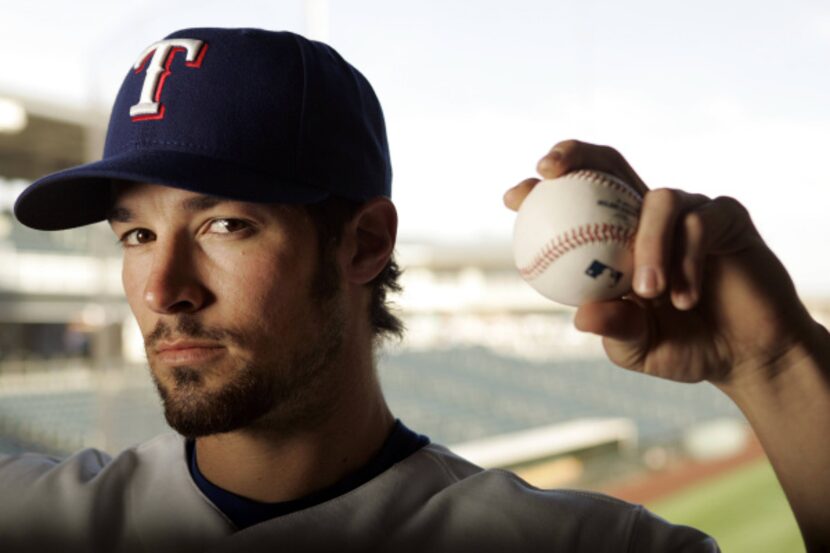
329, 218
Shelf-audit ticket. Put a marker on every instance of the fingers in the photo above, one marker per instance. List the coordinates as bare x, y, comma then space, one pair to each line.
676, 233
572, 155
618, 320
624, 326
729, 227
657, 242
514, 197
687, 278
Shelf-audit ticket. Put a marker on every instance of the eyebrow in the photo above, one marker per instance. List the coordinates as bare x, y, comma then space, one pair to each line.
195, 204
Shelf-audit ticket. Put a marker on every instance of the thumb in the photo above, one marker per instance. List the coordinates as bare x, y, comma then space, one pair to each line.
618, 319
624, 326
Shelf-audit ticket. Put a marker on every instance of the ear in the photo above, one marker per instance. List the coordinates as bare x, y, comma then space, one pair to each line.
369, 240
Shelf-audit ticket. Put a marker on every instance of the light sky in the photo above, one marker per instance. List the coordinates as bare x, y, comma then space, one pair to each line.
722, 98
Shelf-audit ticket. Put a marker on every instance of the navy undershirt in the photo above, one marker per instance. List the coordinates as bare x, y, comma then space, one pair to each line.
243, 512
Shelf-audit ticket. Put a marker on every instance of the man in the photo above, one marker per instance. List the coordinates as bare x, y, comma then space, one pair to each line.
246, 174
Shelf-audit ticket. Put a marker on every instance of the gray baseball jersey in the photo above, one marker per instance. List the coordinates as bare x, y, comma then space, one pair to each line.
145, 500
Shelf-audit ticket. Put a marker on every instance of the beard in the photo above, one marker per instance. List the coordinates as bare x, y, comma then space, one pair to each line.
273, 392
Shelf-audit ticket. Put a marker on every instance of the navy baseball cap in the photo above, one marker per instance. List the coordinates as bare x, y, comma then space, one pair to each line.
245, 114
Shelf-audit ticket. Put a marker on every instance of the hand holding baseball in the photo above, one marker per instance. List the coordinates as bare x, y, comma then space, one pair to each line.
710, 299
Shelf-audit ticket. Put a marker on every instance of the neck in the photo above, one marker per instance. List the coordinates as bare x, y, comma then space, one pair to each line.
276, 466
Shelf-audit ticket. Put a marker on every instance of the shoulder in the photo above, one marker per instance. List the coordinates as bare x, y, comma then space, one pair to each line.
142, 489
578, 520
84, 477
24, 470
31, 470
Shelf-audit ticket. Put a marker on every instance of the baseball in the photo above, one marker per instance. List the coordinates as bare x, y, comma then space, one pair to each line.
574, 237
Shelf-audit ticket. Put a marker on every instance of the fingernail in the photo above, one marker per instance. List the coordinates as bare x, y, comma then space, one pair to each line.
645, 281
551, 158
683, 300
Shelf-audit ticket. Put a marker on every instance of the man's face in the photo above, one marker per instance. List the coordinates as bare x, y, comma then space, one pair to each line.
236, 334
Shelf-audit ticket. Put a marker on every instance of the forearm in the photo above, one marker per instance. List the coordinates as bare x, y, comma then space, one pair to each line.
788, 405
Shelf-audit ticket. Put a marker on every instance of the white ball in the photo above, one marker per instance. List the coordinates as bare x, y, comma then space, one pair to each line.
574, 236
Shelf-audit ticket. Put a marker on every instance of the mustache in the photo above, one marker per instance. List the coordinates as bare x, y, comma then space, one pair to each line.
188, 326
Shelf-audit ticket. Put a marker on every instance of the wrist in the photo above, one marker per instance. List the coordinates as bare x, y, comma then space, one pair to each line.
796, 370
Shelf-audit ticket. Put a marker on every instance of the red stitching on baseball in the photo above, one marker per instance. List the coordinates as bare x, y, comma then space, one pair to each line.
585, 234
560, 245
608, 181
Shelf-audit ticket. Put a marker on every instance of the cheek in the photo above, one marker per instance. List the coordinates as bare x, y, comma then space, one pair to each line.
133, 277
271, 293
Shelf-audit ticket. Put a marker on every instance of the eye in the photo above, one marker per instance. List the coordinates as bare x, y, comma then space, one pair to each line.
227, 226
136, 237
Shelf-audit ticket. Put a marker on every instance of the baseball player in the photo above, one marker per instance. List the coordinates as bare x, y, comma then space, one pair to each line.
246, 174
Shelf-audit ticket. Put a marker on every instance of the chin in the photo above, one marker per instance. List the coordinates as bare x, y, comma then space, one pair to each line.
195, 408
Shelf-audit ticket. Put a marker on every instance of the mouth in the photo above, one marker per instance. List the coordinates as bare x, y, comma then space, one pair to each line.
188, 352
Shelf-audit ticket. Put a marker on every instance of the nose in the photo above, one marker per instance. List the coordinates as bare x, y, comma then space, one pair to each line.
173, 284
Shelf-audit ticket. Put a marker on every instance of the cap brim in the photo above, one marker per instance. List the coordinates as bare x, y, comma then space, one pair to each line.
82, 195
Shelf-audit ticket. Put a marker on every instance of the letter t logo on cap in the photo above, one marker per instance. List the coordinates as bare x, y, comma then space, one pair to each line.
163, 52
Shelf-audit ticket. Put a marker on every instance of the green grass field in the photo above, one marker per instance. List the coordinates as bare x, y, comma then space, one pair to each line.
744, 510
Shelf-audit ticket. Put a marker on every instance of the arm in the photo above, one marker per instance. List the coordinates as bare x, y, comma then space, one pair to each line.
712, 302
788, 404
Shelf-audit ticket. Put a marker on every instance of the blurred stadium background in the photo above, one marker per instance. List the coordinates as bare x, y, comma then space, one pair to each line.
488, 367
